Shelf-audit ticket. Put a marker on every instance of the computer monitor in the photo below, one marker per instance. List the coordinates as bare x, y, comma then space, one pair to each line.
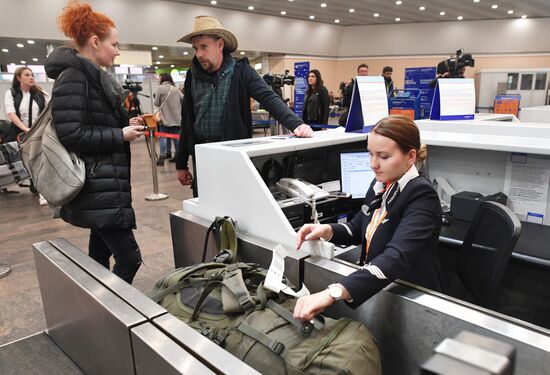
355, 173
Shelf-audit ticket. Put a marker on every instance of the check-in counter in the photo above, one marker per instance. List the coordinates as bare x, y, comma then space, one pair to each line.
540, 114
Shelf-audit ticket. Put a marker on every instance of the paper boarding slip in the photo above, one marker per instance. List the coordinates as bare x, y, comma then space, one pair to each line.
275, 274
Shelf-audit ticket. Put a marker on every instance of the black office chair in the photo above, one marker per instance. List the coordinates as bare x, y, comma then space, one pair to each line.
486, 250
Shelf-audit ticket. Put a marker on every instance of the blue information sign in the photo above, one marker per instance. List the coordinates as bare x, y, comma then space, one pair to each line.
420, 78
301, 70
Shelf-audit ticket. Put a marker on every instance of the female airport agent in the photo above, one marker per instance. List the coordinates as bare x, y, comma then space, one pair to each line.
398, 224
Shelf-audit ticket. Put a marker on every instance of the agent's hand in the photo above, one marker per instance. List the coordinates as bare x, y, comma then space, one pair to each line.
138, 120
132, 132
303, 131
313, 232
308, 306
184, 176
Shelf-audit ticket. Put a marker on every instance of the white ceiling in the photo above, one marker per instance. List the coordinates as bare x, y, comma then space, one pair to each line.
38, 50
388, 10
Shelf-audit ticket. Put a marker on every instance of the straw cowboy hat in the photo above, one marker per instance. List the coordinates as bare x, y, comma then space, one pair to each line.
210, 26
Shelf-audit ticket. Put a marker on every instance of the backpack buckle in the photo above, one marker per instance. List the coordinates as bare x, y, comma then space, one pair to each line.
307, 327
277, 347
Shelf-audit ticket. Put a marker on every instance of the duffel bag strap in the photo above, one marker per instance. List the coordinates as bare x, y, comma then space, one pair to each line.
275, 346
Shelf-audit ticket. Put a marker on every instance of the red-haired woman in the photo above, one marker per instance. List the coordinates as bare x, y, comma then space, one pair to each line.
90, 120
398, 225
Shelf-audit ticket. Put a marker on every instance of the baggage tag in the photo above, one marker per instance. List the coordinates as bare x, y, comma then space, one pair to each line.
275, 273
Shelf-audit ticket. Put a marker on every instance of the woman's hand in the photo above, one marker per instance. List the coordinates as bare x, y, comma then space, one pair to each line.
308, 306
313, 232
138, 120
132, 132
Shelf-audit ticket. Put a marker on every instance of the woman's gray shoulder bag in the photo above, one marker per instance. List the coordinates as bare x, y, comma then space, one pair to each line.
57, 173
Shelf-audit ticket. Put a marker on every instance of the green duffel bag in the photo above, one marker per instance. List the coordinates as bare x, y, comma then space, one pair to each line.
228, 304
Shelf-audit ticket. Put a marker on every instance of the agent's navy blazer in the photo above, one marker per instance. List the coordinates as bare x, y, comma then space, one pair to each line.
404, 246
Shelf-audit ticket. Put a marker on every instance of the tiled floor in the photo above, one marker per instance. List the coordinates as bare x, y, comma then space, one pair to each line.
23, 222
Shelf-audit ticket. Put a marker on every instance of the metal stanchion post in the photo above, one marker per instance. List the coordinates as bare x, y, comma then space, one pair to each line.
156, 196
5, 270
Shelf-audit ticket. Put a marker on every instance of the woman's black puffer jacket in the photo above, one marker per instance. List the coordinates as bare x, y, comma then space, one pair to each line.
90, 124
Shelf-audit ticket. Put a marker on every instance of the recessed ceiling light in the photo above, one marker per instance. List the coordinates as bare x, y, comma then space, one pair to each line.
441, 13
161, 56
311, 17
524, 16
154, 48
398, 2
376, 15
494, 6
157, 62
476, 1
323, 5
171, 66
291, 0
20, 45
30, 41
23, 62
336, 21
250, 7
242, 52
34, 59
422, 8
351, 10
460, 18
397, 19
5, 50
510, 11
283, 12
213, 2
185, 53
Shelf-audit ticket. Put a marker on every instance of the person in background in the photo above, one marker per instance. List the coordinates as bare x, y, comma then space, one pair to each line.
362, 70
90, 120
398, 225
386, 73
24, 102
168, 102
316, 107
216, 105
331, 98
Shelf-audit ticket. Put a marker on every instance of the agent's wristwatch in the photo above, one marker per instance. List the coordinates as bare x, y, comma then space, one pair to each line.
335, 292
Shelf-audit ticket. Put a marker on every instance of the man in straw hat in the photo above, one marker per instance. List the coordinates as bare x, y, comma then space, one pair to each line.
218, 88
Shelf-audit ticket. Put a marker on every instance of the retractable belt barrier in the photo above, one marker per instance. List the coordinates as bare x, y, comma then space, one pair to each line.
164, 135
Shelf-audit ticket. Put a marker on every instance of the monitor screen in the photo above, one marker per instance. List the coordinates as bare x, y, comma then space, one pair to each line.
356, 173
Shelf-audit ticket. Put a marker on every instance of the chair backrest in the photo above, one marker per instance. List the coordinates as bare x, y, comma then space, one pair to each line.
486, 250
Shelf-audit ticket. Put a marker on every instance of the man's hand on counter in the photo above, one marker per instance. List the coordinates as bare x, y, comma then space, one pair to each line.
303, 131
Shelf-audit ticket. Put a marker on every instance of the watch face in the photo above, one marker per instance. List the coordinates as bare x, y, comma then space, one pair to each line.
335, 292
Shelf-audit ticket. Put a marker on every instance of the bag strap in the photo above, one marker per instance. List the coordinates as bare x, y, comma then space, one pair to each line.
184, 282
225, 227
209, 288
165, 99
233, 280
275, 346
304, 326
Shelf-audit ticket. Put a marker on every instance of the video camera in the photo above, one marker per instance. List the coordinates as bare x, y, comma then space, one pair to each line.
277, 81
454, 64
132, 86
